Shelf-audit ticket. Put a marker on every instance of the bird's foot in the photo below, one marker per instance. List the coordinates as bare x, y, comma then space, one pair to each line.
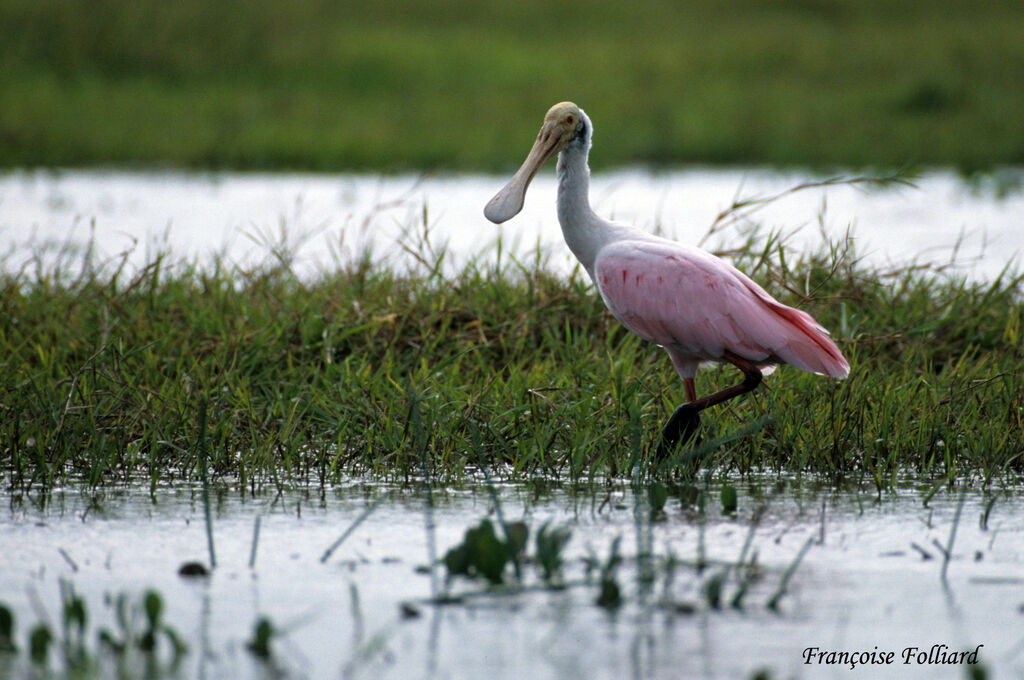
682, 427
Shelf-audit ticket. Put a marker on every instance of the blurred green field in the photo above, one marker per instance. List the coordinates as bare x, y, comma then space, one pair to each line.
313, 84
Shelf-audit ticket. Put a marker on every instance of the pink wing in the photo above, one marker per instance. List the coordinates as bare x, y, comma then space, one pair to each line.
697, 307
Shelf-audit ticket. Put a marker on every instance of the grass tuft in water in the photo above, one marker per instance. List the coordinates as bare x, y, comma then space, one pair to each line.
366, 369
127, 648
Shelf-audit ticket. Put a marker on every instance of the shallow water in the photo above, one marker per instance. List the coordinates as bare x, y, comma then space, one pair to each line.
330, 218
861, 585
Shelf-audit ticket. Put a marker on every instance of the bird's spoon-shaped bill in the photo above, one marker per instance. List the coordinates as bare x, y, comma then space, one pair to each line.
507, 203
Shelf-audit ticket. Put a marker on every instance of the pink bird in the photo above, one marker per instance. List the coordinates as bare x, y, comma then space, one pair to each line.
699, 308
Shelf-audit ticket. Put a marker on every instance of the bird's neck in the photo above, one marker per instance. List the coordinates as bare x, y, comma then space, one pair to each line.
583, 230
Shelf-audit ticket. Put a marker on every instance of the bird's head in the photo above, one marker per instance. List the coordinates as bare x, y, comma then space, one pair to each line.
564, 124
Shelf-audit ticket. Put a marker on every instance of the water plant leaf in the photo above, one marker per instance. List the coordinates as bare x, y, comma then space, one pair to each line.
262, 633
121, 612
39, 644
518, 534
728, 498
713, 589
178, 646
112, 643
75, 621
456, 560
487, 554
773, 601
610, 596
978, 671
153, 604
983, 521
147, 641
550, 542
483, 554
657, 496
688, 495
6, 630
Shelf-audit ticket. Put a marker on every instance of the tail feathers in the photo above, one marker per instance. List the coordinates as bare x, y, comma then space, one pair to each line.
810, 348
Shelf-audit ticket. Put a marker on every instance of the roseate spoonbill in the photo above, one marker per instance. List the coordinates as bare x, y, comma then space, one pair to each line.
699, 308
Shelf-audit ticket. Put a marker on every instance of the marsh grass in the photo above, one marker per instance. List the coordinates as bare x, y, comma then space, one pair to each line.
398, 374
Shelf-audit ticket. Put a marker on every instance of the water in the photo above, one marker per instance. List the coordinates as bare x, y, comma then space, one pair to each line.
328, 218
862, 584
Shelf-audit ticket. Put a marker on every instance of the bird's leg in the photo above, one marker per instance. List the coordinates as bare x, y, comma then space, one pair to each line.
681, 427
683, 424
690, 388
751, 379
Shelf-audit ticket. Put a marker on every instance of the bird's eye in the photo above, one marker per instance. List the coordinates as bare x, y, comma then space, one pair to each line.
570, 119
